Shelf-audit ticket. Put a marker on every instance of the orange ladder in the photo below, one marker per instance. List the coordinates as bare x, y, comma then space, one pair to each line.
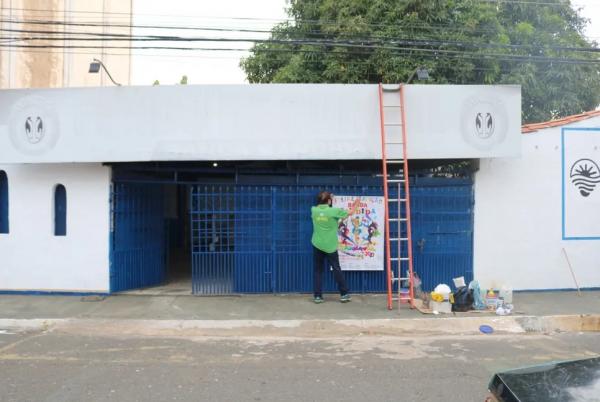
395, 172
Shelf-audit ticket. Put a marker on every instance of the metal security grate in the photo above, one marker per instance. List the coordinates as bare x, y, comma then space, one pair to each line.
137, 236
212, 217
256, 239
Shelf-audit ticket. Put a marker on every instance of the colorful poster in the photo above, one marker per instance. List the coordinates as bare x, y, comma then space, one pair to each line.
360, 235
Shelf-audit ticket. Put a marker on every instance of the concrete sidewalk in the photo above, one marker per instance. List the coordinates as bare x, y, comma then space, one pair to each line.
268, 307
292, 315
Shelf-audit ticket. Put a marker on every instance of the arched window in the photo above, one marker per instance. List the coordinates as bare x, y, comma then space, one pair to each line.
3, 202
60, 210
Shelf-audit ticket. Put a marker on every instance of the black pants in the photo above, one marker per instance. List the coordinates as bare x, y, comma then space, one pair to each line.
333, 260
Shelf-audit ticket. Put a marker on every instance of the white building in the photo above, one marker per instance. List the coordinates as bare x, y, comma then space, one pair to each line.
47, 23
536, 214
111, 189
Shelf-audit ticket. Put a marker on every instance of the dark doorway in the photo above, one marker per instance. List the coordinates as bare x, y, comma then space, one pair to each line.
178, 262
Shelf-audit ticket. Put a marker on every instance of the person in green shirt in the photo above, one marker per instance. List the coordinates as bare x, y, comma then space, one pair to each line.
325, 220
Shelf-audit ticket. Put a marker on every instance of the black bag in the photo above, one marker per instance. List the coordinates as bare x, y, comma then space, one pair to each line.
463, 299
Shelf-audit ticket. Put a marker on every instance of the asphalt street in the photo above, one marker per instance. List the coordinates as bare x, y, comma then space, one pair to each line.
70, 366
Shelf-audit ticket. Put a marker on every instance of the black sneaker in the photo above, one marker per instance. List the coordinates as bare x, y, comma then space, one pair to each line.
345, 298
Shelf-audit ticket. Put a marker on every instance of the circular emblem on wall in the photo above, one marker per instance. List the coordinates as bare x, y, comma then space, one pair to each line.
585, 175
484, 122
33, 125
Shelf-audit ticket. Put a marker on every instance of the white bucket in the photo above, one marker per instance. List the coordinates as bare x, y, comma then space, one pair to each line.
441, 307
444, 290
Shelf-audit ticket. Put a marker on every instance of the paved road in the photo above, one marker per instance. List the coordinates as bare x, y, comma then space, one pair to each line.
71, 366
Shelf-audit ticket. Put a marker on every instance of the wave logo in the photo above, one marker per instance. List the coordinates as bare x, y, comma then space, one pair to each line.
585, 175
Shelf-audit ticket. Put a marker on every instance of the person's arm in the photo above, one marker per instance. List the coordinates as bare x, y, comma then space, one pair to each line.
341, 213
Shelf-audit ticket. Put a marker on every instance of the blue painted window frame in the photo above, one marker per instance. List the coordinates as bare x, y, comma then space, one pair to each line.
4, 223
60, 210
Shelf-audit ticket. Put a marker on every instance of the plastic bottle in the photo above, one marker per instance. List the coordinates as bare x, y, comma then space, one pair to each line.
506, 294
491, 299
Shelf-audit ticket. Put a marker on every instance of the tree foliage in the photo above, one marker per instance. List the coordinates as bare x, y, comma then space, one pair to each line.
537, 46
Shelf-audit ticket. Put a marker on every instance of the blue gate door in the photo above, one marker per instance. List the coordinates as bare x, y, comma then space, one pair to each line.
442, 223
212, 215
256, 239
137, 236
293, 253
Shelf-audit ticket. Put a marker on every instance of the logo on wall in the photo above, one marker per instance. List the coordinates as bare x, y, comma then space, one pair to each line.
33, 125
484, 122
34, 129
585, 175
484, 125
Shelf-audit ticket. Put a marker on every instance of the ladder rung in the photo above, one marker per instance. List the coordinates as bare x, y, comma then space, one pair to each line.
399, 259
395, 161
392, 124
397, 219
390, 88
398, 238
396, 199
394, 143
396, 181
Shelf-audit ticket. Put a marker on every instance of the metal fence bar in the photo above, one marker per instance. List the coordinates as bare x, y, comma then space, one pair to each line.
256, 238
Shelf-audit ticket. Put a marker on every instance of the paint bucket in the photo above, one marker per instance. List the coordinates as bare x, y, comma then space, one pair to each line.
441, 307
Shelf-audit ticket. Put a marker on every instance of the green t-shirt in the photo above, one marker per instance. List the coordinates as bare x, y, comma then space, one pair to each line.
325, 227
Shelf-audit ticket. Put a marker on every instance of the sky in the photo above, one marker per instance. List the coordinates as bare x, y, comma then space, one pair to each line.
211, 67
201, 67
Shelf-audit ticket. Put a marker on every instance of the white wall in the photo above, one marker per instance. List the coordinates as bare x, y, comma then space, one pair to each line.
255, 122
518, 219
31, 257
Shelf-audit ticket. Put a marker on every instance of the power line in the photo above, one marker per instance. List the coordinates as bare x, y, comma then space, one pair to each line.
298, 43
353, 62
311, 41
414, 25
128, 14
320, 22
437, 54
405, 27
533, 3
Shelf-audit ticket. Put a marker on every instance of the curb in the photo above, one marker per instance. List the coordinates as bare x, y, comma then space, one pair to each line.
309, 328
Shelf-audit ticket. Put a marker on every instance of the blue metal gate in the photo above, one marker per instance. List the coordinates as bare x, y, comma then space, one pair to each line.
137, 236
256, 238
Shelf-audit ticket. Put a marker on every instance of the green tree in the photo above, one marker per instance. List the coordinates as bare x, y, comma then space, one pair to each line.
539, 46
